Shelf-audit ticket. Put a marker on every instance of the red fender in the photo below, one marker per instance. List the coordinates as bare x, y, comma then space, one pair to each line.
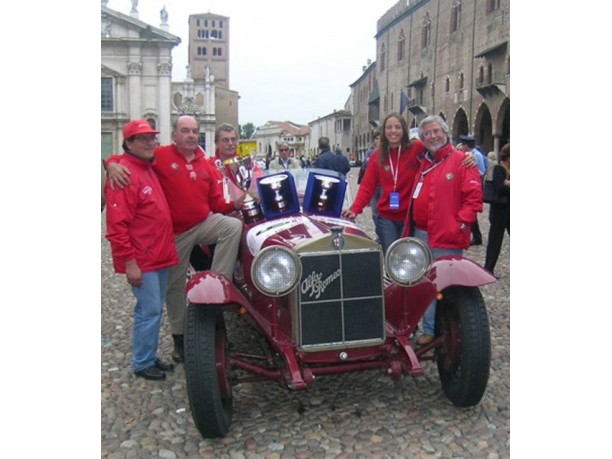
451, 270
209, 287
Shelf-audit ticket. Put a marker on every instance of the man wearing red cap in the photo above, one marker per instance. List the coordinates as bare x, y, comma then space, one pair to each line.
197, 206
139, 229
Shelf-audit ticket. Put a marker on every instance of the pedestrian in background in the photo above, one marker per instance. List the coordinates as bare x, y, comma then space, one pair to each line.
499, 212
326, 159
368, 153
342, 163
469, 145
284, 161
139, 229
444, 202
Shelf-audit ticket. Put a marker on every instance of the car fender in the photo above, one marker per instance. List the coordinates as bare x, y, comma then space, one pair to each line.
209, 287
451, 270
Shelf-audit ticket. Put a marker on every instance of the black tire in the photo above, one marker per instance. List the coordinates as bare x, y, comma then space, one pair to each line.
464, 358
206, 370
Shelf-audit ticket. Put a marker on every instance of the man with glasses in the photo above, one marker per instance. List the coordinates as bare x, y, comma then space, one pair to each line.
197, 207
139, 229
234, 172
445, 200
284, 161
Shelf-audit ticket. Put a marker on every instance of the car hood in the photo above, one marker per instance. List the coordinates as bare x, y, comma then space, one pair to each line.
295, 230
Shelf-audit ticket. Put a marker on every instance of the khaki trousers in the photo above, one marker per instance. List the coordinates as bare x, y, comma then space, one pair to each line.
217, 229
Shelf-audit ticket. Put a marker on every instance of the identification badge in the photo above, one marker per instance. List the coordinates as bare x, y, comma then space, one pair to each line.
417, 190
394, 200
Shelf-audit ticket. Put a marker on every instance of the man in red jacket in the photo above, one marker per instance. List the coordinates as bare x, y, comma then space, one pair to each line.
197, 207
139, 228
235, 173
445, 200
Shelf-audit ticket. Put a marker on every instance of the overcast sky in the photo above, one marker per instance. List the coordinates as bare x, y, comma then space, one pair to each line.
289, 59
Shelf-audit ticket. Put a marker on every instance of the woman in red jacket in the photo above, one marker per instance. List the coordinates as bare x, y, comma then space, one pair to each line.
392, 166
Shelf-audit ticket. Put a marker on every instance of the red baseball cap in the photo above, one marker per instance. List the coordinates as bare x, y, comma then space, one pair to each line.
136, 127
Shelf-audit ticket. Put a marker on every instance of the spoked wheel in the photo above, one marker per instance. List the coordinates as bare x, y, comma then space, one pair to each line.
206, 370
464, 358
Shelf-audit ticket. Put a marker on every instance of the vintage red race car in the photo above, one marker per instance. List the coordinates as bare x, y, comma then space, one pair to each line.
326, 300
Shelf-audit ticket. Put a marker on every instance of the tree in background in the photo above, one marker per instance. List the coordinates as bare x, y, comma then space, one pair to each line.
246, 130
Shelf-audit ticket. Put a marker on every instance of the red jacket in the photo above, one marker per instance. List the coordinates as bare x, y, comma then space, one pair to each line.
377, 175
191, 188
138, 220
453, 195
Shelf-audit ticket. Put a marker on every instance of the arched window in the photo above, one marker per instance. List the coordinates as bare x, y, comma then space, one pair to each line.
400, 45
492, 5
455, 16
447, 85
490, 73
426, 35
152, 122
461, 80
481, 74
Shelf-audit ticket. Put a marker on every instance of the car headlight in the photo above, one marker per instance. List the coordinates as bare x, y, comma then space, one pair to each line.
407, 260
276, 271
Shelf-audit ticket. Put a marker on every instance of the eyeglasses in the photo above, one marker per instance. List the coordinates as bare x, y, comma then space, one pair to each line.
229, 140
432, 133
145, 138
284, 149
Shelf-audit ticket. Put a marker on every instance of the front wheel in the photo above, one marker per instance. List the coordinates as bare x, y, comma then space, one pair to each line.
206, 370
464, 357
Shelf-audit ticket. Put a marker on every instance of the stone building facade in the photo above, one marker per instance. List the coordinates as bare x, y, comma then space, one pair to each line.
209, 54
269, 136
337, 127
365, 109
136, 72
450, 58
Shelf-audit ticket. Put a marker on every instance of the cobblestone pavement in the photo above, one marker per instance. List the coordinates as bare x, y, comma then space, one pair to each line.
358, 415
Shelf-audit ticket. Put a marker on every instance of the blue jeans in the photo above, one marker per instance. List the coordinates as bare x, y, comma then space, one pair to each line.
429, 318
390, 231
150, 297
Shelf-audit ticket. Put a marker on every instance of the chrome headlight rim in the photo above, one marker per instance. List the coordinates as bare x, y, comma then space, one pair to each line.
290, 285
423, 270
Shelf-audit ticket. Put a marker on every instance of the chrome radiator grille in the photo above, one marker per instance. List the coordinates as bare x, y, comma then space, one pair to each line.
340, 300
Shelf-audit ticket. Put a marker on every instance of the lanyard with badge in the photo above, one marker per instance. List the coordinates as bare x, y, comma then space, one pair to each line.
419, 185
394, 197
